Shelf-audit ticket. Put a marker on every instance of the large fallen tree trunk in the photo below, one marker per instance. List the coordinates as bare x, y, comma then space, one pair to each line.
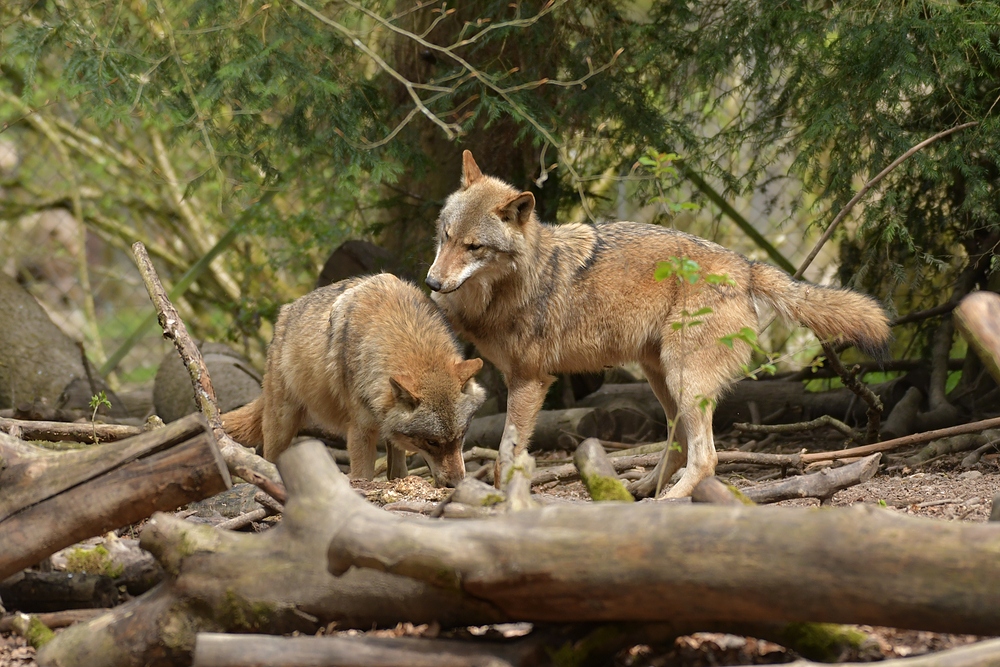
657, 562
52, 500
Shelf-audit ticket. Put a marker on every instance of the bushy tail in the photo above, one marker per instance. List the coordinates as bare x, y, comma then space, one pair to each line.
833, 314
244, 424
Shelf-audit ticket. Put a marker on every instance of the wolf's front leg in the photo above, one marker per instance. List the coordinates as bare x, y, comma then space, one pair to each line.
525, 396
395, 462
361, 442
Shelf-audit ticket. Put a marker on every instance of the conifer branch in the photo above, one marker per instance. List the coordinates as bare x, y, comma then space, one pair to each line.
868, 186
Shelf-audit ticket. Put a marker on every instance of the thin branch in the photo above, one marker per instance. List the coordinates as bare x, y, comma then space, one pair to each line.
189, 91
868, 186
451, 130
237, 456
824, 420
851, 381
198, 228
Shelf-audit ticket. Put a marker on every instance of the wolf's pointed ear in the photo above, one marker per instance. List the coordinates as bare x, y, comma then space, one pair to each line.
470, 170
404, 390
518, 210
466, 369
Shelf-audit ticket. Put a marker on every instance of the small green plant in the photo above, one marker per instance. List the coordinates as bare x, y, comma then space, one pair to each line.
96, 401
664, 176
882, 503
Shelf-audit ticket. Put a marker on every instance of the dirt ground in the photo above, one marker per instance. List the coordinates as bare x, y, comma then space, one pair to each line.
940, 489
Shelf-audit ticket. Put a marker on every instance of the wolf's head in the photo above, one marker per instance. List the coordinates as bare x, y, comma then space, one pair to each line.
430, 413
481, 231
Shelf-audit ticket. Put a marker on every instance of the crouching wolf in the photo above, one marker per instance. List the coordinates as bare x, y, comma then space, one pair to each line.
539, 299
367, 358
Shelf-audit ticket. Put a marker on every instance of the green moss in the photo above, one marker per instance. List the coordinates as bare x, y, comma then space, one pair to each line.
606, 488
93, 561
739, 495
491, 499
581, 652
238, 613
33, 630
825, 642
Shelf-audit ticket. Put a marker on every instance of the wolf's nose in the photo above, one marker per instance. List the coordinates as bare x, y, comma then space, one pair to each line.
433, 283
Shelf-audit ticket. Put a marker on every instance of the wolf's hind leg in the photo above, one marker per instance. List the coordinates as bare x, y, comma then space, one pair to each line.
281, 420
675, 457
697, 377
361, 442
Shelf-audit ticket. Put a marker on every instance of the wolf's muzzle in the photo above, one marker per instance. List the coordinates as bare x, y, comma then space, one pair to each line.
433, 283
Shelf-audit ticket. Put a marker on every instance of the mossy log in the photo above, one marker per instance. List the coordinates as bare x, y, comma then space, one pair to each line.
54, 499
660, 562
274, 582
597, 473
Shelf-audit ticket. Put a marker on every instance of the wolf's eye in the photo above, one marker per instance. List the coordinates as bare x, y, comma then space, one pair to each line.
432, 444
473, 247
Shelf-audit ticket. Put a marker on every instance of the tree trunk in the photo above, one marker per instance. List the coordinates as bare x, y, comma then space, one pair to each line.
659, 562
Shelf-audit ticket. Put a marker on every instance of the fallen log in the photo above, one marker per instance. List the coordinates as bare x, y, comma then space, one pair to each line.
822, 484
579, 422
74, 432
597, 473
659, 562
980, 654
275, 582
55, 619
978, 320
52, 500
33, 592
221, 650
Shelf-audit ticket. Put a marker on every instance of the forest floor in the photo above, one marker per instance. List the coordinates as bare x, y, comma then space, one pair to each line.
939, 489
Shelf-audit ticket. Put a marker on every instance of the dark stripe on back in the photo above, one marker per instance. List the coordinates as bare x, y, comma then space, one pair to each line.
596, 250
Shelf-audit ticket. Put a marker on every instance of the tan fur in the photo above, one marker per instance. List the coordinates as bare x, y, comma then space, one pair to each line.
539, 299
367, 358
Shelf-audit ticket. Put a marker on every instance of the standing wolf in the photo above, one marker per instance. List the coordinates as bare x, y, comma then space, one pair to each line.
539, 299
367, 358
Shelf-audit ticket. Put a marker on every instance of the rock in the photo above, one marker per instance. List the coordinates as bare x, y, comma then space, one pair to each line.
236, 382
38, 361
355, 258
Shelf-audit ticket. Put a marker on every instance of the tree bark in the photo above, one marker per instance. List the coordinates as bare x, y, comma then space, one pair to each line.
33, 592
220, 650
658, 562
34, 474
132, 491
